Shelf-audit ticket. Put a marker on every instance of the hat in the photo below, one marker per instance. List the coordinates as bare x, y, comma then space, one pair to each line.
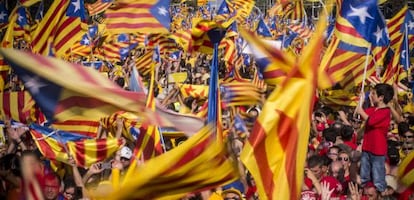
232, 190
126, 152
391, 181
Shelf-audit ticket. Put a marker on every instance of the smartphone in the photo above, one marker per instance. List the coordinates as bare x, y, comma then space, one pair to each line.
106, 165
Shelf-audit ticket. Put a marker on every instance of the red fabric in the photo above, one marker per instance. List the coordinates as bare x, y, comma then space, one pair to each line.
308, 183
333, 184
351, 144
376, 129
251, 191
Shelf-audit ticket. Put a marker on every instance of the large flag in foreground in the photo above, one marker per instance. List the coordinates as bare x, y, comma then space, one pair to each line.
65, 91
276, 149
196, 165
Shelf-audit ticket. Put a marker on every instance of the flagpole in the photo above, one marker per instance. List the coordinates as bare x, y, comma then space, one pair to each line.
162, 140
365, 72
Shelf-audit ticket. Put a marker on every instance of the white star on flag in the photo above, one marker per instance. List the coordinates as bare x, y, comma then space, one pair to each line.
162, 11
77, 5
410, 25
33, 83
403, 54
362, 13
20, 18
85, 41
260, 30
225, 9
378, 34
2, 15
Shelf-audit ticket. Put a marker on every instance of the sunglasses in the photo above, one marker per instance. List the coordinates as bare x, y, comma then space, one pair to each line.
407, 149
69, 193
408, 136
343, 159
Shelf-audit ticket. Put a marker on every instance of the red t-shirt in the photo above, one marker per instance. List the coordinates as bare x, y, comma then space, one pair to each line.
376, 129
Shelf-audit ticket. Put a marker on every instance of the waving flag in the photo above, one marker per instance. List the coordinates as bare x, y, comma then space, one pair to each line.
22, 28
80, 126
272, 64
275, 152
4, 16
398, 48
262, 29
56, 145
16, 106
98, 7
190, 168
62, 23
142, 16
83, 91
360, 28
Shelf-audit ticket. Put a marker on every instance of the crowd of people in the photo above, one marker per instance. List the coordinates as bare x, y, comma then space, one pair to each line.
353, 152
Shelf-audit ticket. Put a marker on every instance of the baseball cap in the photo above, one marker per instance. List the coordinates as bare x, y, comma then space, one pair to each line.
126, 152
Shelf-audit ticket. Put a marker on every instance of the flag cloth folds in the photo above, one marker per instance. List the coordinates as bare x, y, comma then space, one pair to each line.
275, 152
57, 145
61, 26
142, 16
65, 91
190, 168
15, 105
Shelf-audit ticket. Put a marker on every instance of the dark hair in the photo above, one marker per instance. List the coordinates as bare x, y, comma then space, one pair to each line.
329, 134
347, 132
69, 183
314, 161
384, 90
326, 160
402, 128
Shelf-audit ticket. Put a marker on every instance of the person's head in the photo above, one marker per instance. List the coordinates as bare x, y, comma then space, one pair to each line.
126, 155
345, 158
402, 128
69, 187
408, 136
336, 169
315, 165
326, 162
51, 186
371, 192
333, 152
346, 133
407, 147
382, 93
231, 194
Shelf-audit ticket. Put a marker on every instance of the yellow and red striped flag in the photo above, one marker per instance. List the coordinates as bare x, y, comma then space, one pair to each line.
83, 126
62, 26
65, 91
14, 105
275, 152
85, 151
98, 7
138, 16
144, 63
406, 172
148, 143
196, 165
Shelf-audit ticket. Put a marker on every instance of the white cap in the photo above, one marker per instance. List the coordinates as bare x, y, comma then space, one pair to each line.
126, 152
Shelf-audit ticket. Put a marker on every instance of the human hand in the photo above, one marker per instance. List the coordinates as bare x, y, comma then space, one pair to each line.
95, 168
325, 192
353, 189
